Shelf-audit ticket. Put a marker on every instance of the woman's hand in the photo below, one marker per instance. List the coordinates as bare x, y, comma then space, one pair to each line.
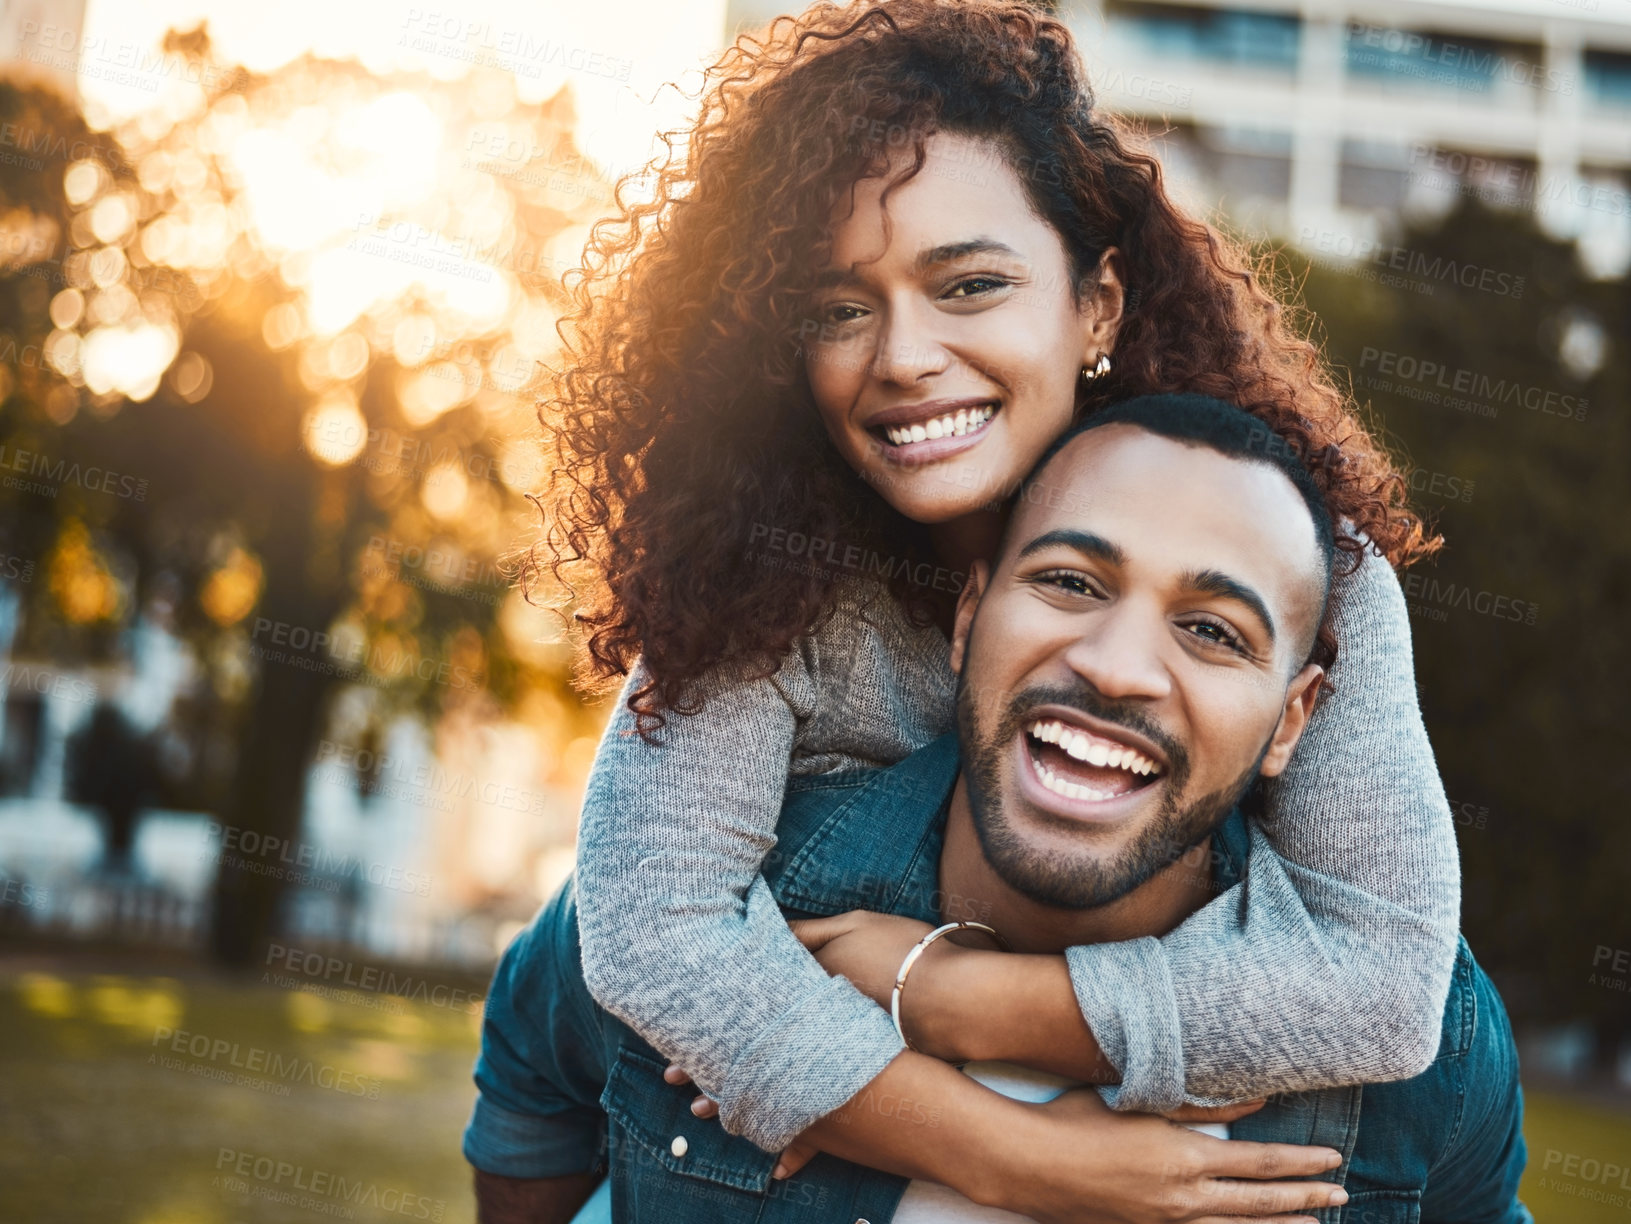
801, 1151
1074, 1160
794, 1157
1087, 1164
866, 948
957, 1006
869, 948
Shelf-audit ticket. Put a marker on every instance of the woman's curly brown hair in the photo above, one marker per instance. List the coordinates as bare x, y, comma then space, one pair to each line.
683, 421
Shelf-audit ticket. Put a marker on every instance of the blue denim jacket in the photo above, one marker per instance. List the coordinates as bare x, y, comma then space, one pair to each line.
566, 1088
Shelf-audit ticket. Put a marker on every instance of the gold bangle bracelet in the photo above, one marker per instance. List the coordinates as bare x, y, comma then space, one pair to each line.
917, 950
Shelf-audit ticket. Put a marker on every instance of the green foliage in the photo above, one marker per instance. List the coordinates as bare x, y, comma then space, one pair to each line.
229, 525
1535, 505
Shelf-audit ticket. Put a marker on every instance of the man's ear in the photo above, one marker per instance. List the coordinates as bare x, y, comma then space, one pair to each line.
1300, 697
967, 601
1104, 299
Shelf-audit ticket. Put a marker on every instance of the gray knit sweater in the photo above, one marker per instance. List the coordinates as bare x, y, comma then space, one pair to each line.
1329, 964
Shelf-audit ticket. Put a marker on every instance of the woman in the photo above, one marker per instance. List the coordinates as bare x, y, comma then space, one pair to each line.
899, 254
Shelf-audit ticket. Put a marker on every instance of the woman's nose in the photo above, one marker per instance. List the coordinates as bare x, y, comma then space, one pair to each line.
907, 348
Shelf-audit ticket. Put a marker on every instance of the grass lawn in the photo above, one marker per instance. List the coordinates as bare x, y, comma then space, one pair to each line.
107, 1113
120, 1102
1572, 1148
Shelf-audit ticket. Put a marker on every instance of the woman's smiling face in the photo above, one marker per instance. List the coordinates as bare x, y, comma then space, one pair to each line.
944, 350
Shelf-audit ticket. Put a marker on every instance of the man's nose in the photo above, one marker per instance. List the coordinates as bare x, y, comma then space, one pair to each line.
1121, 654
908, 348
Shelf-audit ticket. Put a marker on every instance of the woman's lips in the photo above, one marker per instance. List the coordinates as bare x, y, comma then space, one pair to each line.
937, 436
943, 425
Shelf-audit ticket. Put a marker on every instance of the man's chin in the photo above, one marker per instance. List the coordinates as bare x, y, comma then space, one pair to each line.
1043, 862
1082, 854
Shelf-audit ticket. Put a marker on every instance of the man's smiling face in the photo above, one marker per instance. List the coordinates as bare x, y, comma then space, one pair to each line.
1132, 660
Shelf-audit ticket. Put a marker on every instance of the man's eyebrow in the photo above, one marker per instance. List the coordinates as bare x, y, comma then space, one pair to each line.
946, 252
1213, 582
1084, 542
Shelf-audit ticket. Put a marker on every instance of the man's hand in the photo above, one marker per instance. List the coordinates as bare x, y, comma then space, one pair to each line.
531, 1200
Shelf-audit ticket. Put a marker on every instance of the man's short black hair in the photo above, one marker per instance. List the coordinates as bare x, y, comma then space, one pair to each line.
1202, 420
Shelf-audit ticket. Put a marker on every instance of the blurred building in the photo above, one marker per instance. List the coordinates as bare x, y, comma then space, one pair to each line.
1332, 117
1326, 121
416, 848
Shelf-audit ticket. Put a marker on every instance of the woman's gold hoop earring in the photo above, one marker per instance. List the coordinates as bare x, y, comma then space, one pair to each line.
1100, 367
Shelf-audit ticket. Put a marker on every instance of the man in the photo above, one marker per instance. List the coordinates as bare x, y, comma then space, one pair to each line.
1134, 658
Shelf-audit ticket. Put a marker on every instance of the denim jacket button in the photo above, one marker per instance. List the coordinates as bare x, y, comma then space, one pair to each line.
679, 1147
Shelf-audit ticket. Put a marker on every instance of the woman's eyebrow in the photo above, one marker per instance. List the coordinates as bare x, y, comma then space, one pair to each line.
830, 278
934, 257
951, 251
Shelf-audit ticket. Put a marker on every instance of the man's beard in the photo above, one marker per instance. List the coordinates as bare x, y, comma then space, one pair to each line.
1061, 879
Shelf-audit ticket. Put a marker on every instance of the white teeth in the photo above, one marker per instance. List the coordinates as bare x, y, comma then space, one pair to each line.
1070, 790
952, 425
1094, 752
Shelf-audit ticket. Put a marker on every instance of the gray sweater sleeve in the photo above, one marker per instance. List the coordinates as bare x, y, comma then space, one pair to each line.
1338, 969
681, 937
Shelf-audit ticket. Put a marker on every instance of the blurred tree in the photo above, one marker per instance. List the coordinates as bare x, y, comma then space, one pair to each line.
1519, 443
272, 351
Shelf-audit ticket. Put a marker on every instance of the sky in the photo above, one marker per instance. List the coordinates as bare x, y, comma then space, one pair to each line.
617, 56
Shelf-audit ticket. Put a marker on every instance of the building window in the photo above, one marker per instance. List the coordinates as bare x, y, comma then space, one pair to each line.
1608, 77
1227, 36
1424, 57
